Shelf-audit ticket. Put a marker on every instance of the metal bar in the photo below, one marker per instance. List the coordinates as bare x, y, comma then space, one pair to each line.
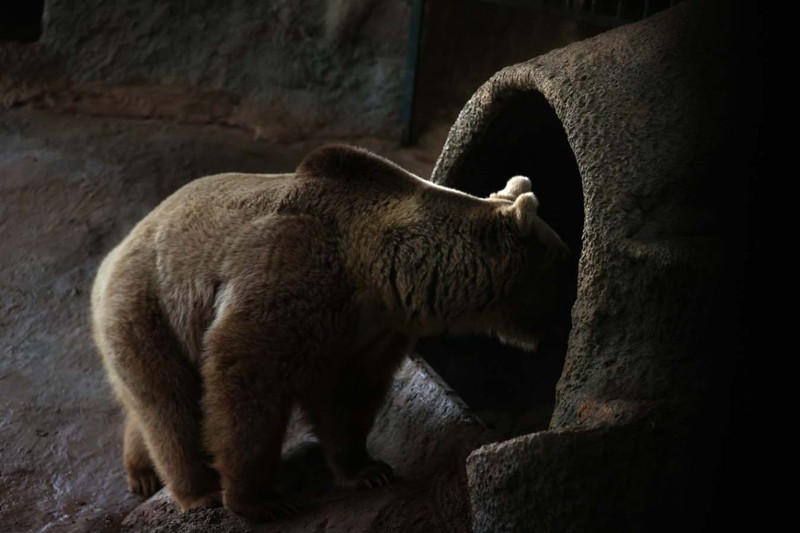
412, 62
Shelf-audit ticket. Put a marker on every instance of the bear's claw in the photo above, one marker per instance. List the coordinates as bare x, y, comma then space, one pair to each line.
144, 483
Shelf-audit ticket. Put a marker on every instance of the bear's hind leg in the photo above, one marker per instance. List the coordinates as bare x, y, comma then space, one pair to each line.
161, 390
247, 409
166, 404
141, 473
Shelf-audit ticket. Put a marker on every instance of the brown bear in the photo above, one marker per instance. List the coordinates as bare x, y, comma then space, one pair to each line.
243, 294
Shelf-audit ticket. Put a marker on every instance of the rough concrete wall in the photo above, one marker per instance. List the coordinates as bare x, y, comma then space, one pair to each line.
285, 68
643, 402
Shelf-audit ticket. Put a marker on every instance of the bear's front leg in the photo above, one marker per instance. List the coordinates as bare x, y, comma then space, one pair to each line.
342, 411
246, 411
342, 418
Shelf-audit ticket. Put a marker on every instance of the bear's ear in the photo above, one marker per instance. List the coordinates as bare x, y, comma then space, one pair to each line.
515, 186
523, 212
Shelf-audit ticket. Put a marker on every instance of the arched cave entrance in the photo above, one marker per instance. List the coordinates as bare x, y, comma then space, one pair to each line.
510, 390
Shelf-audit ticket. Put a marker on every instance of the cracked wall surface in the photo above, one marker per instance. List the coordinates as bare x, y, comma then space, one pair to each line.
284, 69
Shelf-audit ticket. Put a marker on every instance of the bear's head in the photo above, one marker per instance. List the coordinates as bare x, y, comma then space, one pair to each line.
437, 259
532, 263
458, 264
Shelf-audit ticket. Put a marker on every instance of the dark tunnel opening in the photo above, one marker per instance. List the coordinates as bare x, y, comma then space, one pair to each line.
510, 390
21, 21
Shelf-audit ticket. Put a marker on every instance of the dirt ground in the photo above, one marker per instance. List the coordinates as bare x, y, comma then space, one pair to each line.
70, 188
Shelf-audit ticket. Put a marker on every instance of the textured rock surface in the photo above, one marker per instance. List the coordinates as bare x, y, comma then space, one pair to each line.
611, 478
285, 68
660, 134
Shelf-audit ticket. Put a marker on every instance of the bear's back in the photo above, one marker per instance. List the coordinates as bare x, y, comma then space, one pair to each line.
248, 195
177, 250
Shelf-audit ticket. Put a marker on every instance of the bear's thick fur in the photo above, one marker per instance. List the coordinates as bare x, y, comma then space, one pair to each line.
243, 294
